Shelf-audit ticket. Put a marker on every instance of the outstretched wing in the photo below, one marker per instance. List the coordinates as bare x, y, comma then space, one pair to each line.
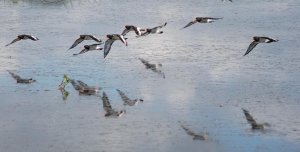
249, 118
107, 46
190, 23
121, 37
15, 40
79, 40
95, 38
31, 37
81, 52
251, 47
125, 32
188, 131
106, 105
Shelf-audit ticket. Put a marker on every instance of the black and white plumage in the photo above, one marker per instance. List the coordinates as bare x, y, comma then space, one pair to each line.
257, 40
127, 101
84, 37
111, 38
89, 48
23, 37
107, 107
19, 79
196, 136
201, 20
153, 67
252, 121
228, 0
154, 30
128, 28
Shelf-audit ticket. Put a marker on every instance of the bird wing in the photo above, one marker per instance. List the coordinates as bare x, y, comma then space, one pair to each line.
125, 32
31, 37
249, 118
144, 34
81, 52
95, 47
15, 40
250, 48
95, 38
106, 104
137, 31
79, 40
121, 37
82, 83
190, 23
107, 46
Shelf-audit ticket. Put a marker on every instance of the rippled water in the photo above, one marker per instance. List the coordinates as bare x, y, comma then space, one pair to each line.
207, 81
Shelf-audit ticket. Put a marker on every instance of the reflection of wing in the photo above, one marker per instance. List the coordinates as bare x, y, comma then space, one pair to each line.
123, 96
15, 40
190, 23
125, 32
79, 40
249, 118
15, 76
144, 61
250, 48
106, 105
188, 131
107, 46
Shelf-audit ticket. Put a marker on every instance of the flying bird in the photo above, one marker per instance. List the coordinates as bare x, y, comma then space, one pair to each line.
201, 20
199, 136
107, 107
154, 30
128, 101
89, 48
111, 38
252, 121
129, 28
19, 79
23, 37
84, 37
257, 40
153, 67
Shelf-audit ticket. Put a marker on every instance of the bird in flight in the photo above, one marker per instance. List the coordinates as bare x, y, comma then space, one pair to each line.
128, 28
257, 40
84, 37
111, 38
89, 48
201, 20
154, 30
23, 37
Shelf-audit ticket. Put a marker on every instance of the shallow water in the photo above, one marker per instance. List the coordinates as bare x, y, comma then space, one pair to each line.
207, 81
